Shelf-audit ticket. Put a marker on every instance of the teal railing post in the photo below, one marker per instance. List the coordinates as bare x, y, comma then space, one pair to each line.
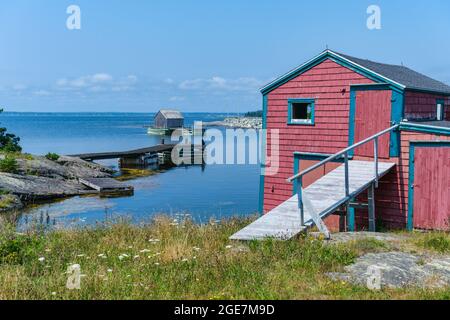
300, 200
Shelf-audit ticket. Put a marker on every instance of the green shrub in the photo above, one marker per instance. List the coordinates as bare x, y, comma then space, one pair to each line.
8, 164
18, 249
52, 156
9, 142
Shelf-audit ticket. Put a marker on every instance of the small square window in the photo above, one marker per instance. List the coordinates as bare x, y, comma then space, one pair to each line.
301, 111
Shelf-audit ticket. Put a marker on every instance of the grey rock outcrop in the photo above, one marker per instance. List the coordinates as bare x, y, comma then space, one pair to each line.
39, 178
64, 167
29, 187
398, 270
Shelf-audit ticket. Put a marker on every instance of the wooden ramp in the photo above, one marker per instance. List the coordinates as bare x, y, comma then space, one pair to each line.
124, 154
106, 185
326, 195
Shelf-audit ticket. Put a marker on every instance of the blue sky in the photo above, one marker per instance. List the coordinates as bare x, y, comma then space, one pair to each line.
139, 56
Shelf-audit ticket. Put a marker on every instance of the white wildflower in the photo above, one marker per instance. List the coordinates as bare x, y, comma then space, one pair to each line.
41, 259
109, 270
228, 247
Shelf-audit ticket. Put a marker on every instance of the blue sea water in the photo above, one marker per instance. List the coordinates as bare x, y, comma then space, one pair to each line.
212, 192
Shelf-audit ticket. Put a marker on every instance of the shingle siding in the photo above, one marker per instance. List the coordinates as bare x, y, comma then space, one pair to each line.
329, 84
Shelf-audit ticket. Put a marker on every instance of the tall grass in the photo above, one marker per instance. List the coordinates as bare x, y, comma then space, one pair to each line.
173, 260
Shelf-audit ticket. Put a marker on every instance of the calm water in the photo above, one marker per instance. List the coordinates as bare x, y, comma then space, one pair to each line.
217, 191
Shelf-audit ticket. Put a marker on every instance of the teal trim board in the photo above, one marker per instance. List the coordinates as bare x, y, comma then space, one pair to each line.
328, 54
397, 111
311, 103
263, 145
415, 127
412, 146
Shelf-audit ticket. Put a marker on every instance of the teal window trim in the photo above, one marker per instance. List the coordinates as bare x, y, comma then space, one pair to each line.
412, 148
397, 111
442, 115
311, 103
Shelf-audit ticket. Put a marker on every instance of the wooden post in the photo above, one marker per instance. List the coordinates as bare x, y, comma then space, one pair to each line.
343, 220
347, 182
371, 198
376, 161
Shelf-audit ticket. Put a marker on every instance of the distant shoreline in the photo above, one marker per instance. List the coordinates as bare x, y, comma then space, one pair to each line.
237, 122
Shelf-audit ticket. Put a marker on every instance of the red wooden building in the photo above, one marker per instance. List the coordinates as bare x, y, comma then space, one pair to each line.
334, 101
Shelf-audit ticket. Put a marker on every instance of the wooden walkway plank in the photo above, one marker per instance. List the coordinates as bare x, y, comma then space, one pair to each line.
122, 154
105, 185
326, 195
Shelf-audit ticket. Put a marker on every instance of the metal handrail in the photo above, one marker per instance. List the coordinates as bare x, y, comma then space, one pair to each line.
342, 153
345, 154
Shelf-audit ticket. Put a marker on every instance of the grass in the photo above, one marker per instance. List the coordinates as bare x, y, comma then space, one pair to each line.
438, 242
130, 174
9, 164
171, 260
6, 200
17, 155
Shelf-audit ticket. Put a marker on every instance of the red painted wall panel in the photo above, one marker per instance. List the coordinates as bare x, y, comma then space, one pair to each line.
372, 115
432, 188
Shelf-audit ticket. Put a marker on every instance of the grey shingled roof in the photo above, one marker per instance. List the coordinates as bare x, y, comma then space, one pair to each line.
171, 114
402, 75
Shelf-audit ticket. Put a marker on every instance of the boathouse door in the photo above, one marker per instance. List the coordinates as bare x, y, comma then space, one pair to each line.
372, 114
430, 185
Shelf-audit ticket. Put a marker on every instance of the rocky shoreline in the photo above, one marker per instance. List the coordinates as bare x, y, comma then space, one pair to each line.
38, 178
237, 122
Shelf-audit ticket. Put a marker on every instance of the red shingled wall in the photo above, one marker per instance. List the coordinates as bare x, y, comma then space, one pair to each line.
422, 106
328, 83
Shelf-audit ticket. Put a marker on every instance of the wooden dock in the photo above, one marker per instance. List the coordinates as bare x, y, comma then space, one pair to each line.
325, 195
125, 154
106, 185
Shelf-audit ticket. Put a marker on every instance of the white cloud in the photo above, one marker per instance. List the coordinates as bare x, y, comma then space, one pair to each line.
176, 98
85, 81
41, 93
19, 87
222, 84
99, 82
